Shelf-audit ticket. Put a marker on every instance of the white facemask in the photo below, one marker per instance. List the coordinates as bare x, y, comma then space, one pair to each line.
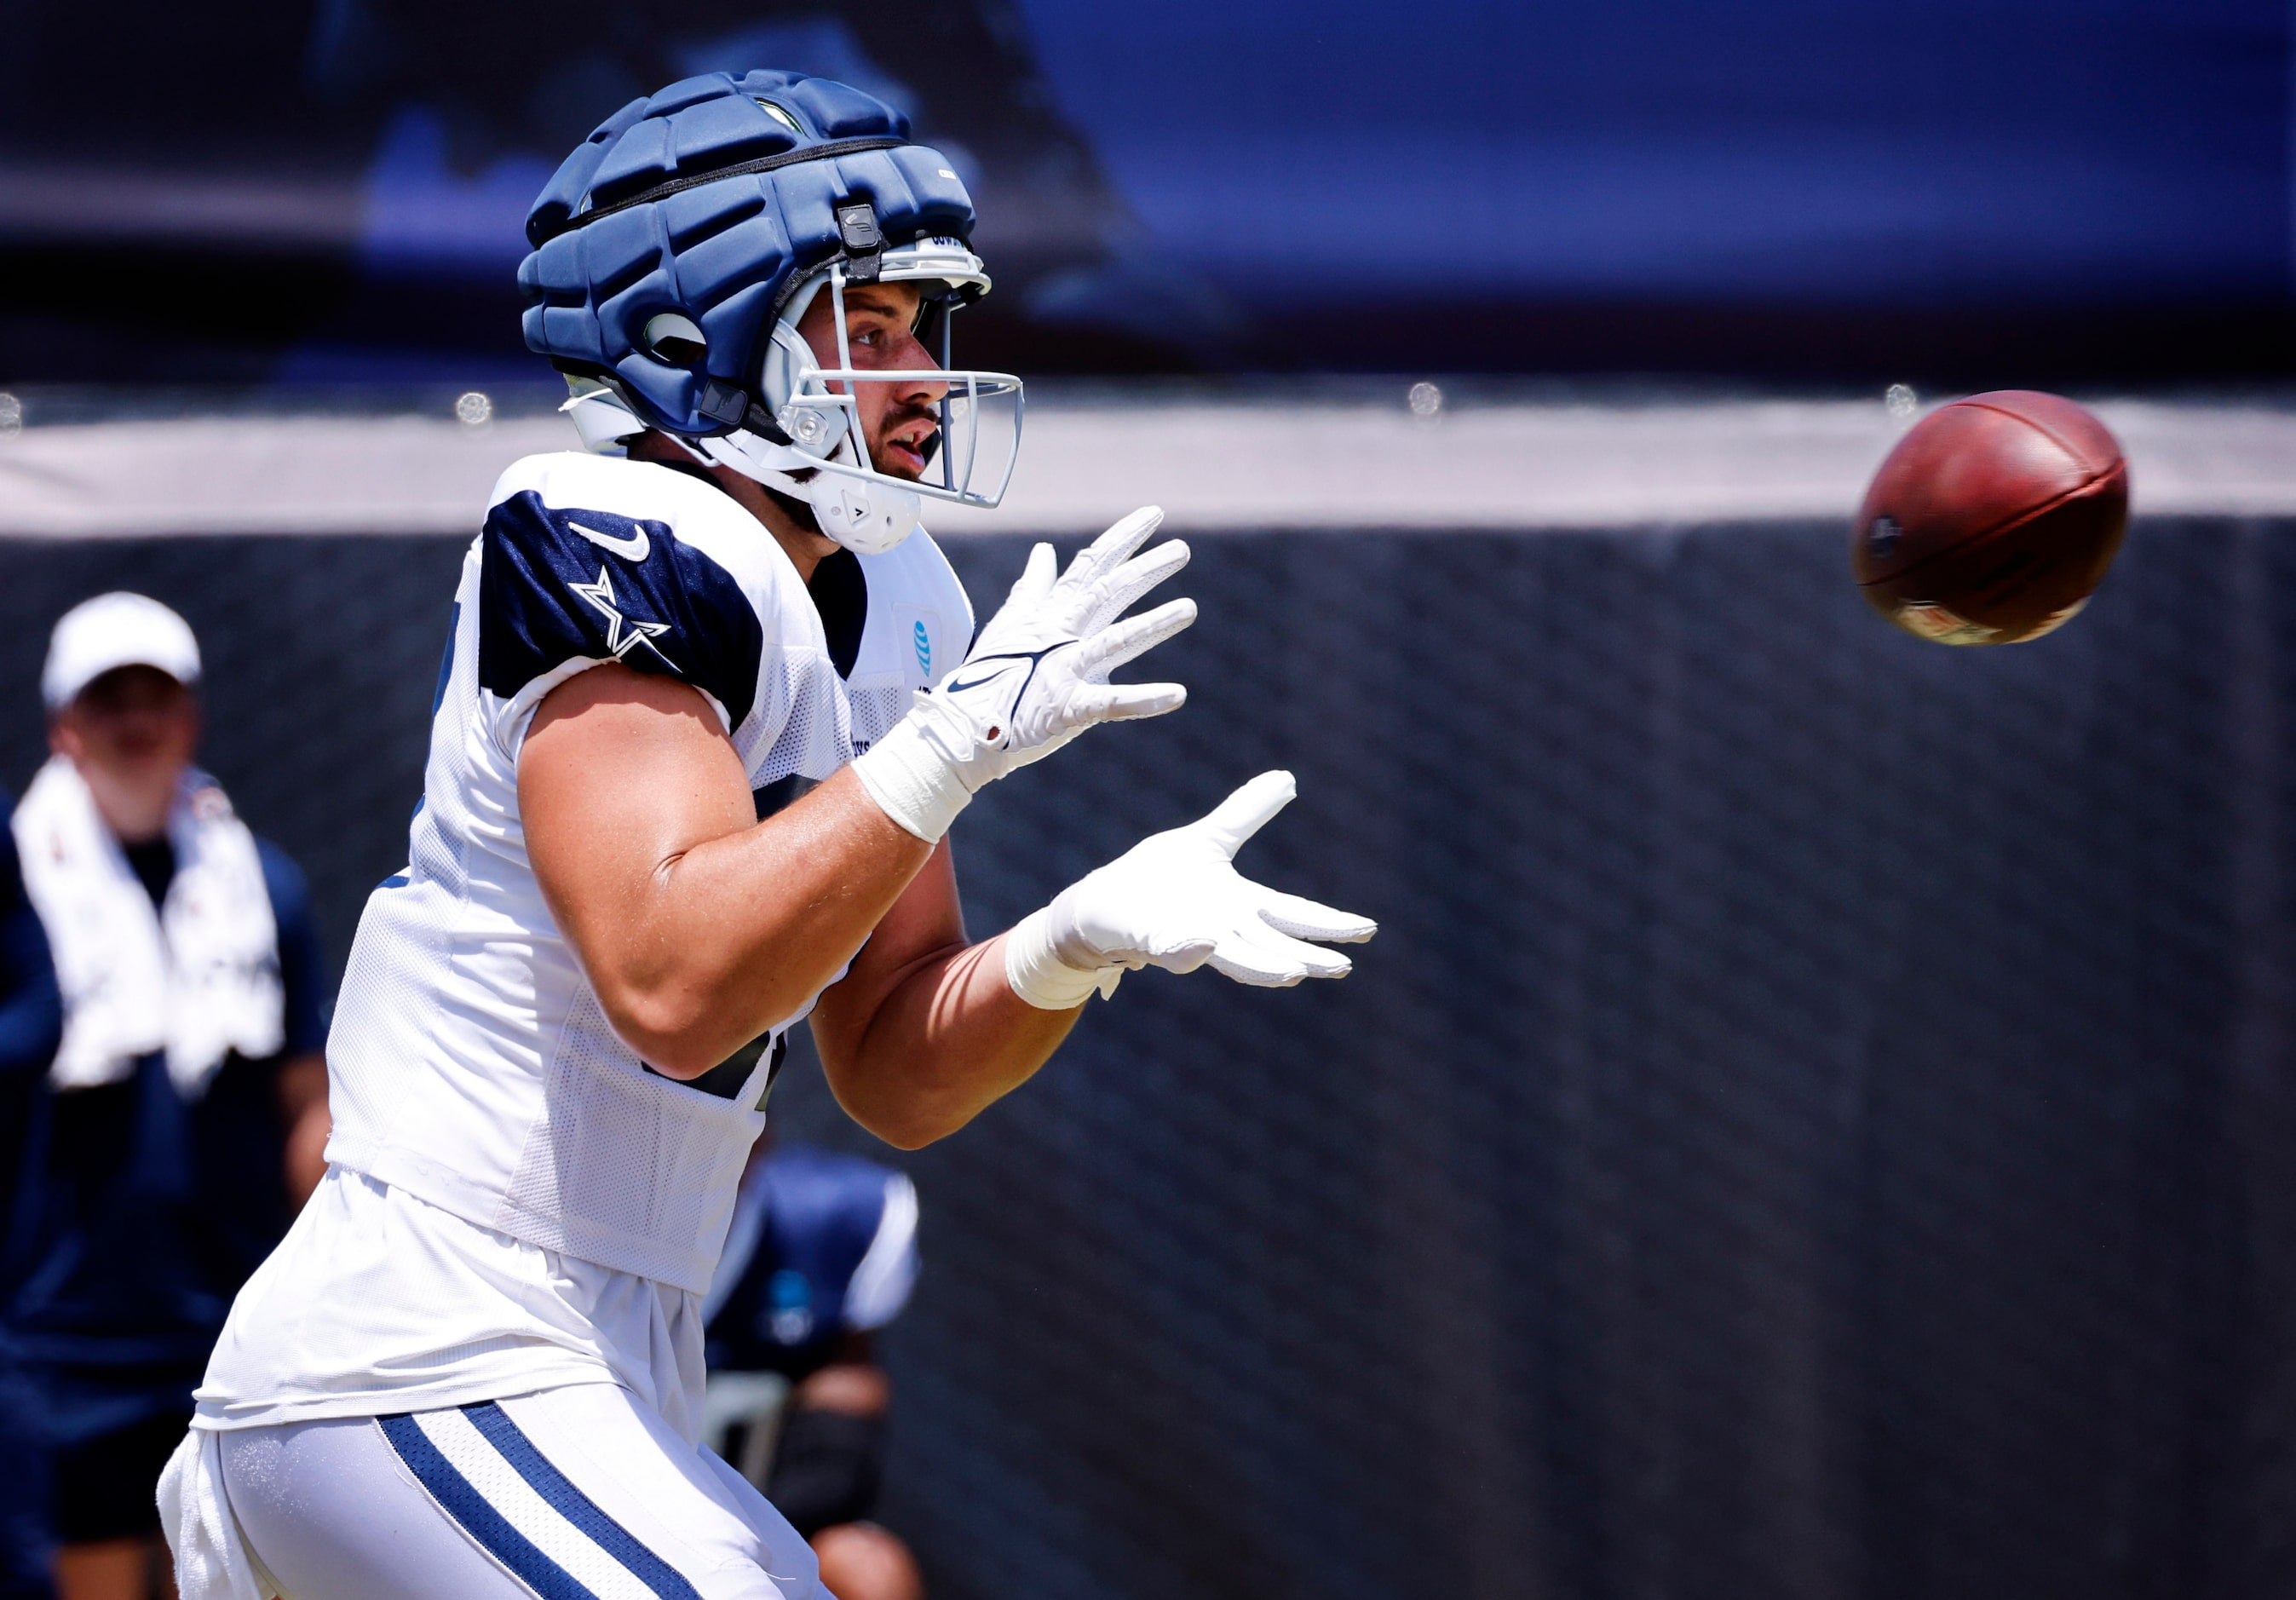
826, 463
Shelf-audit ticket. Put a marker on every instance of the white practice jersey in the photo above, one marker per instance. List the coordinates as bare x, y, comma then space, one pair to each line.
470, 1064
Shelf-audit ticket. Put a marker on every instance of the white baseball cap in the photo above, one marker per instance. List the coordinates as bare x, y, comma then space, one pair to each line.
118, 629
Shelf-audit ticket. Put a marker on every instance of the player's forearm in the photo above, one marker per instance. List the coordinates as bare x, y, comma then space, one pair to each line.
732, 935
947, 1041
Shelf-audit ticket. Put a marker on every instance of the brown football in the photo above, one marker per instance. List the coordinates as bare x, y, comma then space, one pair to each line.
1992, 520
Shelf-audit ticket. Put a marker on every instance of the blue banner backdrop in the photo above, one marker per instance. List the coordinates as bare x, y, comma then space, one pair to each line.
320, 191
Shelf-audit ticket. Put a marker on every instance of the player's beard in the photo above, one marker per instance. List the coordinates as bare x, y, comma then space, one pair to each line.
800, 512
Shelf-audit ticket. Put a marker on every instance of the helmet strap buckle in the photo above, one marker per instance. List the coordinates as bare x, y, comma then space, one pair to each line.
864, 241
723, 402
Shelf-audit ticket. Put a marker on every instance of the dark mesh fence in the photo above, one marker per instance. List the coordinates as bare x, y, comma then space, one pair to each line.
1816, 1121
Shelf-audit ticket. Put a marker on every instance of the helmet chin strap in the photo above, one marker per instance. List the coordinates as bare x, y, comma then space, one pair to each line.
866, 516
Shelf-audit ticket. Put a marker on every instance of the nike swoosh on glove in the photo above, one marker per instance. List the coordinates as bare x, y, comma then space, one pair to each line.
1175, 900
1036, 679
1037, 676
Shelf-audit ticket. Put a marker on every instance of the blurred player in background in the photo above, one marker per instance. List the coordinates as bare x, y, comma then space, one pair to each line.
31, 1022
821, 1253
186, 1109
705, 718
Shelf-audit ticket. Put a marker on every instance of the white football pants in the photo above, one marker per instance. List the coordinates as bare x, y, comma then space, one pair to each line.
572, 1494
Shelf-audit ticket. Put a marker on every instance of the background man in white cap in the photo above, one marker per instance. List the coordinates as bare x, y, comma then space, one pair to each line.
186, 1105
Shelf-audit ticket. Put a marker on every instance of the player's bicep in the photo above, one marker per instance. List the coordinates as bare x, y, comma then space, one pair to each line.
620, 773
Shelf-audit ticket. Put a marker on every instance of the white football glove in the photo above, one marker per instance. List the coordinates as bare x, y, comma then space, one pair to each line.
1036, 679
1175, 900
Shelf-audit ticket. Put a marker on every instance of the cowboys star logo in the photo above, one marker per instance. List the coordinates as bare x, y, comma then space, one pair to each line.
623, 634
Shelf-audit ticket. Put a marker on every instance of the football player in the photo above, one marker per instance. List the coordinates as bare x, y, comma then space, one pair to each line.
706, 716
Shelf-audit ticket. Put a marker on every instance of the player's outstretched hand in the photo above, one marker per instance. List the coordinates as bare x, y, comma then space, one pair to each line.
1175, 900
1035, 677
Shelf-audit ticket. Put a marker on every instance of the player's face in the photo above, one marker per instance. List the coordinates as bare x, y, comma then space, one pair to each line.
897, 418
131, 733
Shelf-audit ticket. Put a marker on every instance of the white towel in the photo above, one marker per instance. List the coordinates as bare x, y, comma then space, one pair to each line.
212, 1561
198, 979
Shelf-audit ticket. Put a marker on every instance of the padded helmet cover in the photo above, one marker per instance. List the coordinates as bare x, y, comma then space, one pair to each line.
724, 251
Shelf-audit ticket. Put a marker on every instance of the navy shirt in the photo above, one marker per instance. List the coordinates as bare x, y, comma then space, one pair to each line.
139, 1214
31, 1025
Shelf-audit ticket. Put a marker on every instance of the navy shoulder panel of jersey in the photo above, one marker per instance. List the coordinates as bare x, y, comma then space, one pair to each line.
557, 584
